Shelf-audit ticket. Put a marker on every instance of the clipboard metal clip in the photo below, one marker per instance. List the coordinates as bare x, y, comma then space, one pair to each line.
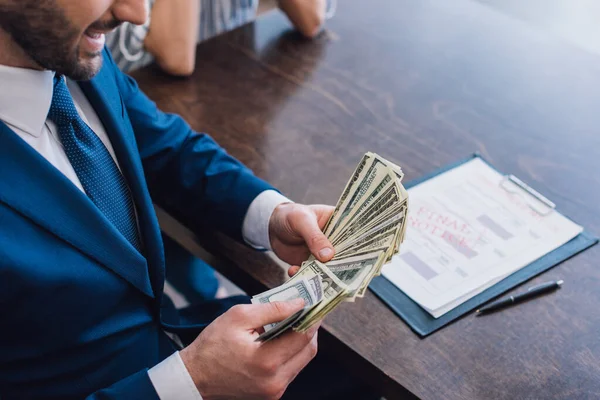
540, 205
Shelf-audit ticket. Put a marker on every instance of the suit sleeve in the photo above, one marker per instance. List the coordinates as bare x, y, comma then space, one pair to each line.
188, 173
135, 387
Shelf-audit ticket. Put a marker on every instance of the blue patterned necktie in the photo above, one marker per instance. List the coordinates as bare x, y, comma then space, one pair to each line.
97, 171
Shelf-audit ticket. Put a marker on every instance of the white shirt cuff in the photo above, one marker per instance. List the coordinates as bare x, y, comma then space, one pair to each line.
172, 381
255, 229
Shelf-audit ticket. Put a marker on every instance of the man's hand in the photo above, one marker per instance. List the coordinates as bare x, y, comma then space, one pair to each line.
226, 363
295, 231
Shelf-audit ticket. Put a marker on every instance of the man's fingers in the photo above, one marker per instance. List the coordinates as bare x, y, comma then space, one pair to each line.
307, 226
254, 316
323, 213
293, 270
288, 345
297, 363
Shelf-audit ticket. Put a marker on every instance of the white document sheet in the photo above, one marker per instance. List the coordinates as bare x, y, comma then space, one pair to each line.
469, 228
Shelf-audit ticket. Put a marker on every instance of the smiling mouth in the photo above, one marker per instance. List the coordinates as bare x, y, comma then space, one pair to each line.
94, 41
94, 35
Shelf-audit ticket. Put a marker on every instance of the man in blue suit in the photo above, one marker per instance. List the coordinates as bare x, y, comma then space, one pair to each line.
83, 155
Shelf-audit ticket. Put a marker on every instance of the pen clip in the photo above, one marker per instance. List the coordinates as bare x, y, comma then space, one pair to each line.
540, 204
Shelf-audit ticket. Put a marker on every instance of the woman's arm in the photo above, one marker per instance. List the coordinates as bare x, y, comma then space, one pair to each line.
173, 34
306, 15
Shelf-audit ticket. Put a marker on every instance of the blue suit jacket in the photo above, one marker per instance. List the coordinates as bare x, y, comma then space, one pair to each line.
82, 312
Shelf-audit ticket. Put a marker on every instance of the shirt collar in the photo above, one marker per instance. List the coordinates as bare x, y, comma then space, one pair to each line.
25, 97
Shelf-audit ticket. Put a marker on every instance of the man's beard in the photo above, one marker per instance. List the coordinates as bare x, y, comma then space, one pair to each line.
46, 35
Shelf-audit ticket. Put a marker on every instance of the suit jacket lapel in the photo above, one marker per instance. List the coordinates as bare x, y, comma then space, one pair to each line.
36, 189
104, 96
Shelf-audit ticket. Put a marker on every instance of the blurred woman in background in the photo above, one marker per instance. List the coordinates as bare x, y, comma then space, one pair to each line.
188, 22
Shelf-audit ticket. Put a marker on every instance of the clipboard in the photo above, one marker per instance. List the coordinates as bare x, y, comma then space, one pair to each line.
422, 323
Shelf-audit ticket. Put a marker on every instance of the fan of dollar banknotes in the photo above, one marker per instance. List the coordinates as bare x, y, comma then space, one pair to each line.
365, 229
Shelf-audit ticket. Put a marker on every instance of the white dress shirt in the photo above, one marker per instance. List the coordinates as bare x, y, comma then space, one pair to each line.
24, 104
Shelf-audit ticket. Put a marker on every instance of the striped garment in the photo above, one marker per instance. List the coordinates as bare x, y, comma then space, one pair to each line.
126, 43
216, 16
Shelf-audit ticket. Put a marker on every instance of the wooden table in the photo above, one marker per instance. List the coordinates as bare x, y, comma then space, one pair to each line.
423, 83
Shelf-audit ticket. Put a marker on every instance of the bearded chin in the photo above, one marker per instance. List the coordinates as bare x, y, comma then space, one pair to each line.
73, 67
64, 60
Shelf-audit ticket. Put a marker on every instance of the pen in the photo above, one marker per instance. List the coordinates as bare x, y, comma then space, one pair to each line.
530, 293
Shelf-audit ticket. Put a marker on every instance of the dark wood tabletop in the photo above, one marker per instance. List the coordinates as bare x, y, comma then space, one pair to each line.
424, 83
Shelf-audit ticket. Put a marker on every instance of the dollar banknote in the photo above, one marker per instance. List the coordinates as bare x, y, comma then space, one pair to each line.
366, 228
311, 292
